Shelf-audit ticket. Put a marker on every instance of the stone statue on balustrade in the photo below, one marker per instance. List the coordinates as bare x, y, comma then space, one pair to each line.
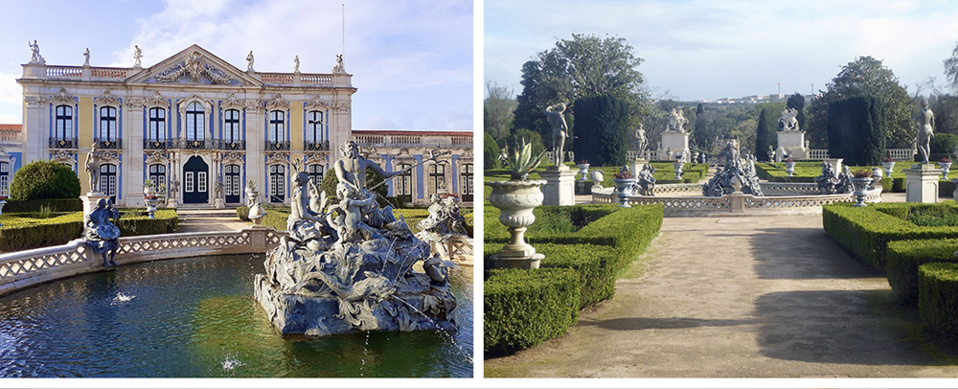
641, 141
831, 183
349, 268
559, 131
444, 223
676, 121
92, 167
645, 182
101, 234
788, 121
926, 130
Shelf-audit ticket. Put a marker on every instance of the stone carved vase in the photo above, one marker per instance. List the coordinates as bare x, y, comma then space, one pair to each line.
889, 167
790, 168
515, 201
861, 185
945, 166
151, 207
678, 169
584, 171
623, 189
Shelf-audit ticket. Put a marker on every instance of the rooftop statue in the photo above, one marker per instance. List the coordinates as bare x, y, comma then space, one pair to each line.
788, 122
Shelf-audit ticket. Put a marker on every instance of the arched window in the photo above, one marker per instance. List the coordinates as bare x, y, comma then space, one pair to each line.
108, 180
465, 182
437, 177
402, 184
158, 174
315, 173
64, 123
277, 183
315, 137
195, 122
108, 129
157, 129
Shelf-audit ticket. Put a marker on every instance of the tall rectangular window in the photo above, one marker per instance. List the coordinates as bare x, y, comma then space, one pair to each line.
277, 127
314, 127
108, 130
437, 177
231, 125
195, 122
157, 129
201, 182
465, 181
188, 182
64, 122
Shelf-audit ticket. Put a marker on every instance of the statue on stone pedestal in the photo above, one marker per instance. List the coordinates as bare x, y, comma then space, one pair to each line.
92, 167
249, 61
559, 130
86, 57
137, 55
296, 64
641, 142
788, 122
101, 235
676, 121
926, 130
35, 52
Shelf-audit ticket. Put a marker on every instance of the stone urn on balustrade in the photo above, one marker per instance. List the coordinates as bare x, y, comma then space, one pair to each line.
515, 201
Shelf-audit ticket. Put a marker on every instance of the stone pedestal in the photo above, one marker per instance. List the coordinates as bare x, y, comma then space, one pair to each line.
921, 183
560, 186
672, 143
738, 202
791, 143
637, 166
219, 203
836, 164
89, 204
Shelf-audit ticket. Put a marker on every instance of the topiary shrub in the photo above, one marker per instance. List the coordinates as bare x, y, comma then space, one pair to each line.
44, 180
938, 298
524, 308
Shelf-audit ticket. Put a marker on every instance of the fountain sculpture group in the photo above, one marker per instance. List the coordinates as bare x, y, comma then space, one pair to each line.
350, 269
738, 174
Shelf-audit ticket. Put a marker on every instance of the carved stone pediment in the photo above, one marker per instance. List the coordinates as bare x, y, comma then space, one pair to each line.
341, 107
62, 98
277, 158
107, 98
232, 102
157, 100
157, 157
108, 157
196, 67
64, 156
316, 104
317, 159
277, 103
232, 158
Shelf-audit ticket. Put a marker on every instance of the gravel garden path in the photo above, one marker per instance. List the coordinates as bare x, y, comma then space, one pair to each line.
741, 297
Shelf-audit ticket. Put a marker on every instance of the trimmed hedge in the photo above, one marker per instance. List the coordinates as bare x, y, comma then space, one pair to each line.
866, 231
55, 205
22, 233
938, 298
524, 308
904, 258
595, 265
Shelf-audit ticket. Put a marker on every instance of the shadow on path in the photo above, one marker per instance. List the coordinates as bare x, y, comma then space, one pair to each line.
804, 253
645, 323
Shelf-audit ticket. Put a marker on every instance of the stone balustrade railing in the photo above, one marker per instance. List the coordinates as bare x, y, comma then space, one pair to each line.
818, 154
896, 154
26, 268
632, 155
677, 188
806, 203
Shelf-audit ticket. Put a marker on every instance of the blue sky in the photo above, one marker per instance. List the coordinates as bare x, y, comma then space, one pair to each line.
705, 50
411, 60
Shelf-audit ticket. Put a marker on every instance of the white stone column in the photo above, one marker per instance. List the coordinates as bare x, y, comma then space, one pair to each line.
35, 133
255, 147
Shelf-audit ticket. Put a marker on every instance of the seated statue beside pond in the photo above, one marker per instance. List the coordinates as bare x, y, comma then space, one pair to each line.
100, 233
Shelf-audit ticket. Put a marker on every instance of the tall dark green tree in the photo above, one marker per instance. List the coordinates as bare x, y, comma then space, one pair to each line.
856, 130
765, 137
604, 128
866, 76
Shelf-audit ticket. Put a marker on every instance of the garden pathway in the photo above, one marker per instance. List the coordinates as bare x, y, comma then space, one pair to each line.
741, 297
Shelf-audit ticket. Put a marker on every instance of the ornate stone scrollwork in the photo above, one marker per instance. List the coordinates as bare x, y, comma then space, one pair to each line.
157, 100
232, 102
277, 103
64, 157
194, 67
316, 104
232, 158
341, 107
110, 157
108, 99
62, 98
277, 158
317, 159
157, 157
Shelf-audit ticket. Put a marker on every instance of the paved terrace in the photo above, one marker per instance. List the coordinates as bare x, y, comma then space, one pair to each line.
769, 296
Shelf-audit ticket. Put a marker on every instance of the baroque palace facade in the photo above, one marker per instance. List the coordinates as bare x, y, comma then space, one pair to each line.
203, 128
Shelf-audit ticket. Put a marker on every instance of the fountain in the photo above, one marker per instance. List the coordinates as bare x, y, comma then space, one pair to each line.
351, 269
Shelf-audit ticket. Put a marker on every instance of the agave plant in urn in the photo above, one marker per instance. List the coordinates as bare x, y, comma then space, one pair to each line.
516, 199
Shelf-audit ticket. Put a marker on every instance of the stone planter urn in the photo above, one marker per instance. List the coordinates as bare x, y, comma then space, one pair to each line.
889, 167
790, 168
584, 171
597, 178
944, 167
861, 185
515, 201
149, 191
678, 169
623, 189
151, 206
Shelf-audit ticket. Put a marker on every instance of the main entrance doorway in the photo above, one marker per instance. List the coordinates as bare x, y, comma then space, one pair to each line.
195, 172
